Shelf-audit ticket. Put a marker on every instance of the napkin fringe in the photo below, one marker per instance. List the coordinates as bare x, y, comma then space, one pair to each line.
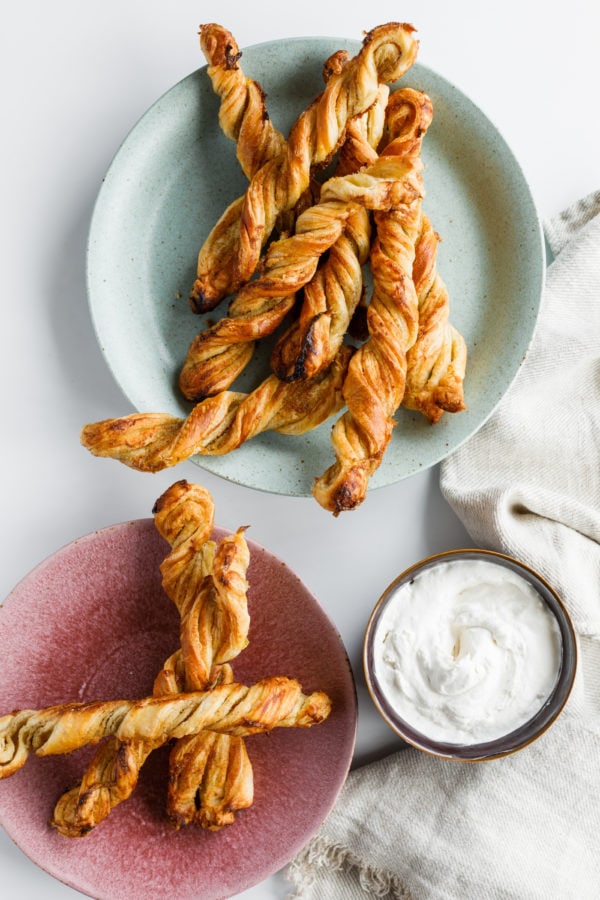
320, 853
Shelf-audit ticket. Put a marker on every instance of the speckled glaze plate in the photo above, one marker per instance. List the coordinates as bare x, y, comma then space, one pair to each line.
176, 172
92, 621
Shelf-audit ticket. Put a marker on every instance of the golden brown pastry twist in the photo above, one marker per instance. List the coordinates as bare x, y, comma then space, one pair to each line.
375, 383
387, 52
244, 119
210, 775
437, 361
243, 115
110, 778
276, 702
213, 605
154, 441
329, 300
331, 297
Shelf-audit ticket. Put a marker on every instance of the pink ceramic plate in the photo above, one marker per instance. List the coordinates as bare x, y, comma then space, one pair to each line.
93, 622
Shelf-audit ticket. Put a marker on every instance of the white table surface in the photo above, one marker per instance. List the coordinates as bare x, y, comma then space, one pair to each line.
75, 77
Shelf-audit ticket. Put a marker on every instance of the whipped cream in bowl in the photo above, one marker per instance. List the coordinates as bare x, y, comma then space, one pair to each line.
470, 655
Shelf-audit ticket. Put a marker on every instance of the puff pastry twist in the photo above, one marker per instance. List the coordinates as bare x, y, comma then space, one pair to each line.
154, 441
374, 386
387, 52
261, 305
437, 360
210, 775
243, 118
213, 604
238, 709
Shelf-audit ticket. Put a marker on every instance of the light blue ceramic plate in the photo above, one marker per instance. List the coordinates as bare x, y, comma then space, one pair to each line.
176, 172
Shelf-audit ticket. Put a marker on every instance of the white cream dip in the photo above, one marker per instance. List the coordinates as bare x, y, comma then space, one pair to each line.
466, 651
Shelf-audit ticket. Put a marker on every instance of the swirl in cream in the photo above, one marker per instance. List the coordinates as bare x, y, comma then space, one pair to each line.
466, 651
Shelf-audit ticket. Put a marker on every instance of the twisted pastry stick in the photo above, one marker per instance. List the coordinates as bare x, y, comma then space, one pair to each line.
154, 441
210, 775
210, 779
184, 515
213, 607
333, 294
244, 119
330, 298
387, 52
262, 304
436, 362
112, 775
375, 383
276, 702
110, 778
243, 115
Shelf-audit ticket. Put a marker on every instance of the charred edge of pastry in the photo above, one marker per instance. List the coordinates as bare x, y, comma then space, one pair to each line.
307, 351
201, 300
231, 57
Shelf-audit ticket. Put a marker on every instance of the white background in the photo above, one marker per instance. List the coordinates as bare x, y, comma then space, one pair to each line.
75, 77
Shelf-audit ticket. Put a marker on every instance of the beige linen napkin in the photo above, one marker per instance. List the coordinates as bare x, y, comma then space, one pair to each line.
528, 483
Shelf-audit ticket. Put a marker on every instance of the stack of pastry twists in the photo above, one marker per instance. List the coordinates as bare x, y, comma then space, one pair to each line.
369, 212
210, 774
213, 360
208, 585
243, 118
387, 52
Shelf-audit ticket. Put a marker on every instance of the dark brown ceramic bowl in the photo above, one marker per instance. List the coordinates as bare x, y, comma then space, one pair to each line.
527, 732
